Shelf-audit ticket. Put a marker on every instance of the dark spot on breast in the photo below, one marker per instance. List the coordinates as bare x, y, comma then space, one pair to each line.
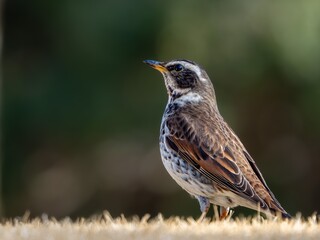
185, 178
193, 172
178, 163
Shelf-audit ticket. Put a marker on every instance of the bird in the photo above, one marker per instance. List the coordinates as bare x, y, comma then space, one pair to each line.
201, 152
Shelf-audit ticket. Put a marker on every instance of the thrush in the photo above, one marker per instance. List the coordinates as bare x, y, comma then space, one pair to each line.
199, 149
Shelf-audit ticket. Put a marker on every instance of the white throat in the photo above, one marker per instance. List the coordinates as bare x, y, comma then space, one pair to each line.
190, 97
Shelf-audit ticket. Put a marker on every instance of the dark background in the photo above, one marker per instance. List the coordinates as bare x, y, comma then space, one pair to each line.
81, 112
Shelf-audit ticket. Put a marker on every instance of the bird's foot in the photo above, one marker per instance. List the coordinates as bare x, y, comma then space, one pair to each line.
204, 207
225, 213
202, 217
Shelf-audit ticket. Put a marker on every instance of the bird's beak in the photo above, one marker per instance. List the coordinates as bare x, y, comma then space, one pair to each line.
156, 65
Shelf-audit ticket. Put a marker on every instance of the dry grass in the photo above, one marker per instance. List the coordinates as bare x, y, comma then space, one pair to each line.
106, 227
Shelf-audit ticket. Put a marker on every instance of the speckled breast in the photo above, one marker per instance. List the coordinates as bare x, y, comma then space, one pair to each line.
181, 171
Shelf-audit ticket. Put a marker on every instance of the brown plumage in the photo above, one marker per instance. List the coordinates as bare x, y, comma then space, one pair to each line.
200, 151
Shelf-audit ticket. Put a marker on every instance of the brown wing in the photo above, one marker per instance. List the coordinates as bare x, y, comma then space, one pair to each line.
217, 161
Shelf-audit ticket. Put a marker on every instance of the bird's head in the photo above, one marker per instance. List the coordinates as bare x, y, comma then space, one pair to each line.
184, 78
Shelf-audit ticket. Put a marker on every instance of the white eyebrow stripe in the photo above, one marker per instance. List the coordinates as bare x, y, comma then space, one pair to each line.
192, 67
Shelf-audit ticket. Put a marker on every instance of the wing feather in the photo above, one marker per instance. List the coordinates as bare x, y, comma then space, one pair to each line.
218, 164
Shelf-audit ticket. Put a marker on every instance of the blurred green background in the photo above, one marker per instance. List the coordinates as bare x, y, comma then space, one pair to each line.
81, 112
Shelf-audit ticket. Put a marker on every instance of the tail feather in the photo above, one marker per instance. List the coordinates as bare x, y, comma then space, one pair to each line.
280, 212
286, 215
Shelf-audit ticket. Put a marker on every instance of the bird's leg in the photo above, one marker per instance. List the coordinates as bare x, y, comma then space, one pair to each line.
224, 212
204, 207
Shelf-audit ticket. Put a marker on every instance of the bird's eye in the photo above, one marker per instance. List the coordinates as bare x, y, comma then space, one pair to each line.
178, 67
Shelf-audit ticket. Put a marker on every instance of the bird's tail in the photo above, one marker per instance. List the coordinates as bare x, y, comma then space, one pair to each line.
286, 215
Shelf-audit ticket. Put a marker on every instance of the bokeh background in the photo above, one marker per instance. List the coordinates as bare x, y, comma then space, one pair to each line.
80, 112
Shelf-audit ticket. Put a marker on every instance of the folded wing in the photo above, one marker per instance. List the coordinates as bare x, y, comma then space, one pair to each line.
218, 163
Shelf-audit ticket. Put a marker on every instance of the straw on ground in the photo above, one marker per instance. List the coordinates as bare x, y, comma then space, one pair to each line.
106, 227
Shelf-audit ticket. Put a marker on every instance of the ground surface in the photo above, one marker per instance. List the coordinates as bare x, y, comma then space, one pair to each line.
106, 227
